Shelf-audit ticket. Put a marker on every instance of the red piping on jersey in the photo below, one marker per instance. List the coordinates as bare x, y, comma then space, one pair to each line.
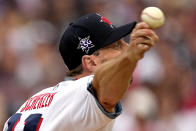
15, 124
39, 124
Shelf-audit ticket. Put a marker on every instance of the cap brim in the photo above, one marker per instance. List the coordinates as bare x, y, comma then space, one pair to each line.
119, 33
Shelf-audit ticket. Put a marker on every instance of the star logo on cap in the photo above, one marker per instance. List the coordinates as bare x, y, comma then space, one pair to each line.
85, 44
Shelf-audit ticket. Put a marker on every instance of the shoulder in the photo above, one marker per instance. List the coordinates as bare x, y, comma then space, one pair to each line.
84, 81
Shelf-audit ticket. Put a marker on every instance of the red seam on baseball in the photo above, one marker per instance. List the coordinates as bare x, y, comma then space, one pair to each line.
151, 16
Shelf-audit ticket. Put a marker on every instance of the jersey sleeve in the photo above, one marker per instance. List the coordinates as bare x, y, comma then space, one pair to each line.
88, 112
112, 115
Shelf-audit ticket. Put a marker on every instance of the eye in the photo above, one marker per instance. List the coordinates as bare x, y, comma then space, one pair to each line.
117, 46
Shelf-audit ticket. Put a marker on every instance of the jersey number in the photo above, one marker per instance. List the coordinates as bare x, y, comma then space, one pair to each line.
32, 123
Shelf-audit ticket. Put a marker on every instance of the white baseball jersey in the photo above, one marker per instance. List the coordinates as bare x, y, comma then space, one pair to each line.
71, 105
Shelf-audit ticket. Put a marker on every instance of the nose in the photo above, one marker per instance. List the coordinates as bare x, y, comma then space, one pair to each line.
124, 45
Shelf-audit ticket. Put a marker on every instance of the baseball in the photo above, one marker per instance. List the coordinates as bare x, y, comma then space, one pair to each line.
153, 16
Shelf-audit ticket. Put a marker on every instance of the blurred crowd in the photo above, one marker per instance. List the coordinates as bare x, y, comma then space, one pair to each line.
162, 96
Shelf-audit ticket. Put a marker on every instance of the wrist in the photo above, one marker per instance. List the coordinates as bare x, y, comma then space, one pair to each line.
133, 55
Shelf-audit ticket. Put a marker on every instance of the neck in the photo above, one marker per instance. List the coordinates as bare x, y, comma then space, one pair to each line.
81, 75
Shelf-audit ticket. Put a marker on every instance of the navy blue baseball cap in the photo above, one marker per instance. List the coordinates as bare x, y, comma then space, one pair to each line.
88, 34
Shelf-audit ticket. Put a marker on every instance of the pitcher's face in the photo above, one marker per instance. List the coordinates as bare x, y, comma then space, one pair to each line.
112, 51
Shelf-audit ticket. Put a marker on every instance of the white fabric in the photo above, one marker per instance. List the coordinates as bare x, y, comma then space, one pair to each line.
73, 108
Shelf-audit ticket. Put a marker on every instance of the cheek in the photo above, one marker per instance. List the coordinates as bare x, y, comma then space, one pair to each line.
116, 54
112, 55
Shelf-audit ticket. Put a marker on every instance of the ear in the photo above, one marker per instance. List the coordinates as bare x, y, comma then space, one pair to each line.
89, 63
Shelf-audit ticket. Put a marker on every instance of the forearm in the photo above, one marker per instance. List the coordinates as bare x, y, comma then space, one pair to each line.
112, 78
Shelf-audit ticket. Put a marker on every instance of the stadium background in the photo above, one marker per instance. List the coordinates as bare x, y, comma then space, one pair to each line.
163, 94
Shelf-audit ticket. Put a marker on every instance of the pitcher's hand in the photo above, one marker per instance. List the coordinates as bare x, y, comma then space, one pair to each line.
142, 39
